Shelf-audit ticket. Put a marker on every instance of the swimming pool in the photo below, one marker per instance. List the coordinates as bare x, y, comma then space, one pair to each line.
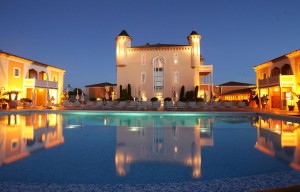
144, 148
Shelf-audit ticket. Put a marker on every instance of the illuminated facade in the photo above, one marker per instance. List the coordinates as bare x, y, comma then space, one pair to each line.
279, 79
21, 135
160, 70
34, 80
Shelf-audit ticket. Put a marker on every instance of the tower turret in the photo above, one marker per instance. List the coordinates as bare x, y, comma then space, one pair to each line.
194, 41
123, 41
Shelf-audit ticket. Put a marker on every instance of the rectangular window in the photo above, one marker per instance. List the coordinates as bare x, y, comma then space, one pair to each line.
17, 72
175, 57
143, 78
176, 77
143, 59
54, 78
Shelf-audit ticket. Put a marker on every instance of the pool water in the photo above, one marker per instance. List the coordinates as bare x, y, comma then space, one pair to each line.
140, 148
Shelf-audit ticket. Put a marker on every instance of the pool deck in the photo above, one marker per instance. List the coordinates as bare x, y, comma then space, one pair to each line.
279, 181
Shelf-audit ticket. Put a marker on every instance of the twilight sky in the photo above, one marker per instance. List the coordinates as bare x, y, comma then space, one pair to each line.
79, 35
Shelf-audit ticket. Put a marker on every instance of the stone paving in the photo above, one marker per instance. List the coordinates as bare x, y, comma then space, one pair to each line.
249, 183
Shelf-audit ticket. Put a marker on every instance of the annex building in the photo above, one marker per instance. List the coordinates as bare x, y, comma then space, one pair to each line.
160, 70
31, 79
279, 79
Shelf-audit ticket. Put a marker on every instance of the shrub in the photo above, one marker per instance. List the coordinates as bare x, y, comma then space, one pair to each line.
154, 99
93, 99
181, 93
199, 99
23, 100
168, 99
190, 95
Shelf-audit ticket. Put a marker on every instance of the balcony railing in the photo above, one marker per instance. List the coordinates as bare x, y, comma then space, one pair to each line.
40, 83
282, 80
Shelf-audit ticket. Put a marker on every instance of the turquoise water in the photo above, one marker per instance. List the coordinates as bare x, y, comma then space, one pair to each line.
138, 148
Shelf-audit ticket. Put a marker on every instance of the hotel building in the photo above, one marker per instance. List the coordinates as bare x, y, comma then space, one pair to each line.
279, 79
33, 80
160, 70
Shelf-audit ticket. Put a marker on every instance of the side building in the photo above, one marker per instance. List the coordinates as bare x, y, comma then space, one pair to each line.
31, 79
101, 90
279, 80
160, 70
235, 91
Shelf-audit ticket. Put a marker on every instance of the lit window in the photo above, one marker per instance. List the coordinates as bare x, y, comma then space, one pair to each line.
143, 77
16, 72
175, 57
143, 59
176, 77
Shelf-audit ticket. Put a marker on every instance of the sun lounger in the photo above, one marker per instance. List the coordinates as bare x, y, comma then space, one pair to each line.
109, 105
97, 105
132, 105
193, 105
156, 105
144, 105
242, 105
230, 104
181, 105
121, 105
218, 105
205, 106
169, 106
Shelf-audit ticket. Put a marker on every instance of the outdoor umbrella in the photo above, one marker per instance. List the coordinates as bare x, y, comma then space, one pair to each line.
77, 96
82, 97
67, 95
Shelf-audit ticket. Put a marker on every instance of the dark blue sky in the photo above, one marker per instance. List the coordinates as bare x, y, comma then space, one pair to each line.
79, 35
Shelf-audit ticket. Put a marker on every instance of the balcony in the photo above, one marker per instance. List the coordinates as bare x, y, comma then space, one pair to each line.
281, 80
40, 83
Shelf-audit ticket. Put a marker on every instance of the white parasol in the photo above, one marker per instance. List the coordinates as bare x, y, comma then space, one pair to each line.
67, 95
77, 96
82, 97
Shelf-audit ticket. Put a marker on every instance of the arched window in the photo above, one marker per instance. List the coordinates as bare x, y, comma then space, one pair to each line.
43, 75
158, 72
32, 74
143, 77
286, 70
275, 72
143, 59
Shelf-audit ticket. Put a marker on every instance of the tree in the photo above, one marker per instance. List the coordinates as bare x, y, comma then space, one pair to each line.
129, 91
181, 96
196, 92
121, 91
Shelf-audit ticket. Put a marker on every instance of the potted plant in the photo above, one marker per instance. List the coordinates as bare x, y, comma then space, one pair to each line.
13, 103
291, 107
4, 103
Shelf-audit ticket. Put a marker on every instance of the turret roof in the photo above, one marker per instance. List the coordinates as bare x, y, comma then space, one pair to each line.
194, 32
123, 33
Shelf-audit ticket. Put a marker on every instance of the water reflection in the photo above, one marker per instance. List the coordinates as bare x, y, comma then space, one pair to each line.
22, 134
163, 139
279, 139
